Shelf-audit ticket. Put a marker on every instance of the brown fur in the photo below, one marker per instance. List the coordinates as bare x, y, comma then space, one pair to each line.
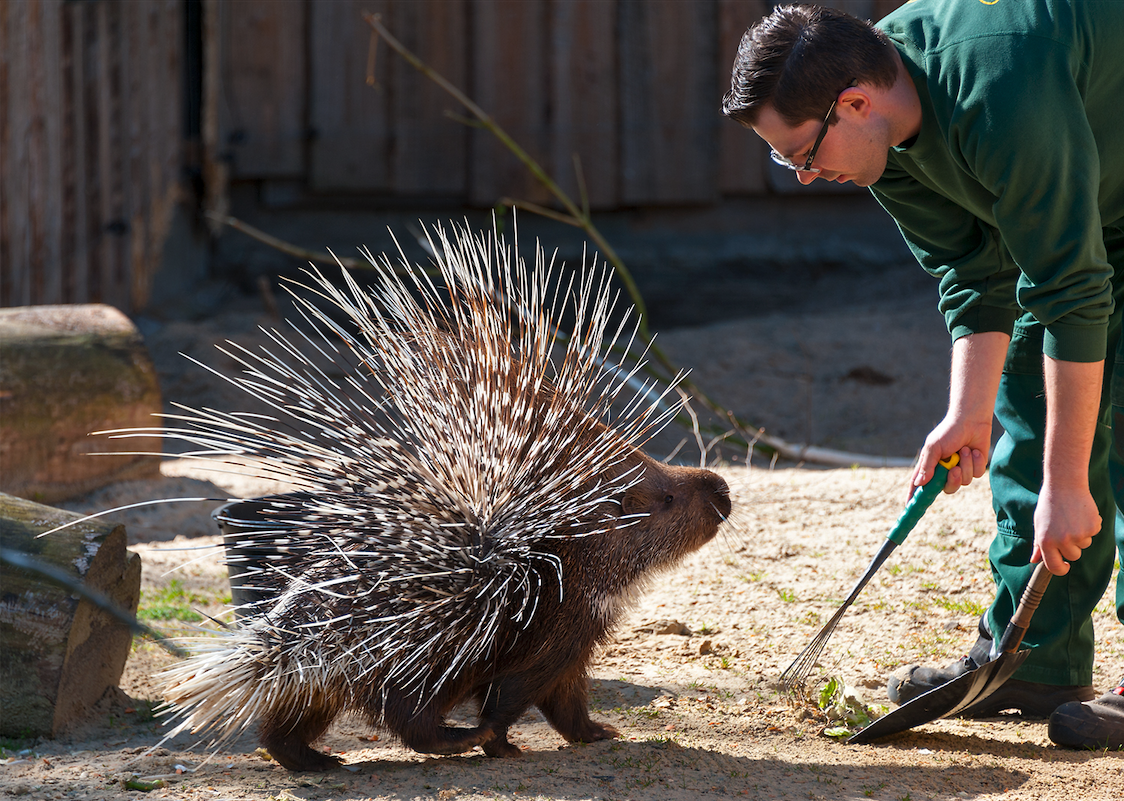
412, 570
546, 664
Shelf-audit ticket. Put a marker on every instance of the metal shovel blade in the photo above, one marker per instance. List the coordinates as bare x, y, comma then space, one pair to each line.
946, 700
975, 685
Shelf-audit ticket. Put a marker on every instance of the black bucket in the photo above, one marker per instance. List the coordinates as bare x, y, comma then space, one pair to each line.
250, 530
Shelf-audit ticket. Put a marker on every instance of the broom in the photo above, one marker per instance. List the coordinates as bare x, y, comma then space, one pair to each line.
795, 677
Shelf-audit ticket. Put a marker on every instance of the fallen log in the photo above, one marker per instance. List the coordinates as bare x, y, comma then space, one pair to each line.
66, 371
59, 654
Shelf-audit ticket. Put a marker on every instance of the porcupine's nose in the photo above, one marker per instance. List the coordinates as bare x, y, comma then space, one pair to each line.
716, 488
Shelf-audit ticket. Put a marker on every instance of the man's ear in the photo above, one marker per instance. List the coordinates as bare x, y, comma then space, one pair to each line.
856, 100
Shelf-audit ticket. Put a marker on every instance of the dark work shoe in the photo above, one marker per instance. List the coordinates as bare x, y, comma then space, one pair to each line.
908, 682
1032, 699
1095, 724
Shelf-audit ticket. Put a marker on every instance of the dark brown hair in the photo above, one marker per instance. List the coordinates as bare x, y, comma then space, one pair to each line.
800, 57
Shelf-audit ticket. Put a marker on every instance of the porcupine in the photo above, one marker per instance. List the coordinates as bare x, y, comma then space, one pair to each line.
472, 510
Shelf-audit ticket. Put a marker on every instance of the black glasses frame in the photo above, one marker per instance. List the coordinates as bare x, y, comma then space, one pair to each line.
784, 161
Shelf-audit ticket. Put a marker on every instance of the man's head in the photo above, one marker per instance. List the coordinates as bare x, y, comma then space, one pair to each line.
799, 58
804, 71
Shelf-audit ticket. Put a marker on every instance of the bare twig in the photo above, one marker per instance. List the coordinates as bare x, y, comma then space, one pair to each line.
99, 599
288, 247
751, 437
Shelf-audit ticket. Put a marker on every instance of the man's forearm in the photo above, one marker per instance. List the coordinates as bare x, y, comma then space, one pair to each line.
1066, 518
1073, 393
977, 365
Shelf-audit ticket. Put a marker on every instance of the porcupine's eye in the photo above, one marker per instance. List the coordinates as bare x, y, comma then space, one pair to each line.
669, 499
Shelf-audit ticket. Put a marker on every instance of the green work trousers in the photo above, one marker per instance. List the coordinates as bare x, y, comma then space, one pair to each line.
1061, 631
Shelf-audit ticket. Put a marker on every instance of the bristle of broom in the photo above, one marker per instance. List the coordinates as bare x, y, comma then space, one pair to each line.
794, 680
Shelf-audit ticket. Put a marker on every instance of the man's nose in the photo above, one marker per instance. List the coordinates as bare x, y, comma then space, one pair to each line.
806, 177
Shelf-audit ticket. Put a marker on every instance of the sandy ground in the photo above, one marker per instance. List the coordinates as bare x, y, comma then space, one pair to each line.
690, 679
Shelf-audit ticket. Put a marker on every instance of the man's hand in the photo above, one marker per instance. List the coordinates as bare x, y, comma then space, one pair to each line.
940, 445
1065, 523
977, 364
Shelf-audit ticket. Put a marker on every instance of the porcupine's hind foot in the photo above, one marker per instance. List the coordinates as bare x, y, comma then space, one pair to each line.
287, 741
292, 753
499, 746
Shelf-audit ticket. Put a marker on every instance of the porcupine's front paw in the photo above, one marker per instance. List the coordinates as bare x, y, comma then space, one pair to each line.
500, 746
591, 732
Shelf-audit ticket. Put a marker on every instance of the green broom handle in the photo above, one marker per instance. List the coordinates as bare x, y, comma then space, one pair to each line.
922, 500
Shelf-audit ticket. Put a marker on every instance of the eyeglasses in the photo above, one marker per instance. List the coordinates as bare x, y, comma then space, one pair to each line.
784, 161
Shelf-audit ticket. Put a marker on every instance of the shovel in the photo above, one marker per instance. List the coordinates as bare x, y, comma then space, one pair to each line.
973, 686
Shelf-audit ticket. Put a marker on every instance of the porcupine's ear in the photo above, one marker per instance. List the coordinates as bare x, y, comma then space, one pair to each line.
637, 499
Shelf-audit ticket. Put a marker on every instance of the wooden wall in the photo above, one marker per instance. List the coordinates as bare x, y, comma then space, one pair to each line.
631, 87
90, 147
94, 112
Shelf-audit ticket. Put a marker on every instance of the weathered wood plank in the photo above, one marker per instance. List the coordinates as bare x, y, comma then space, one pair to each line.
154, 31
429, 151
141, 143
8, 280
212, 156
169, 113
44, 195
113, 166
350, 149
742, 153
510, 82
165, 64
74, 253
583, 99
168, 51
17, 119
90, 142
98, 118
669, 93
265, 63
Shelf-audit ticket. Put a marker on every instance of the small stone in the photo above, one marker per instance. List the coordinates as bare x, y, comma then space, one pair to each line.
664, 627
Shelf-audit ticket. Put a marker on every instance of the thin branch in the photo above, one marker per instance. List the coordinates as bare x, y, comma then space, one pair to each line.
288, 247
296, 251
99, 599
542, 211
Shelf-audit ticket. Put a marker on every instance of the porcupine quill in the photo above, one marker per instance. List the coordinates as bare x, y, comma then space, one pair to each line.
432, 455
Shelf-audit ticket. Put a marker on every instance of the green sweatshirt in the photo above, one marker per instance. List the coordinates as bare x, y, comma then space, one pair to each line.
1019, 164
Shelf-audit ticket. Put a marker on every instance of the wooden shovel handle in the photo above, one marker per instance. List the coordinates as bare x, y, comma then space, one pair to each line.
1020, 621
